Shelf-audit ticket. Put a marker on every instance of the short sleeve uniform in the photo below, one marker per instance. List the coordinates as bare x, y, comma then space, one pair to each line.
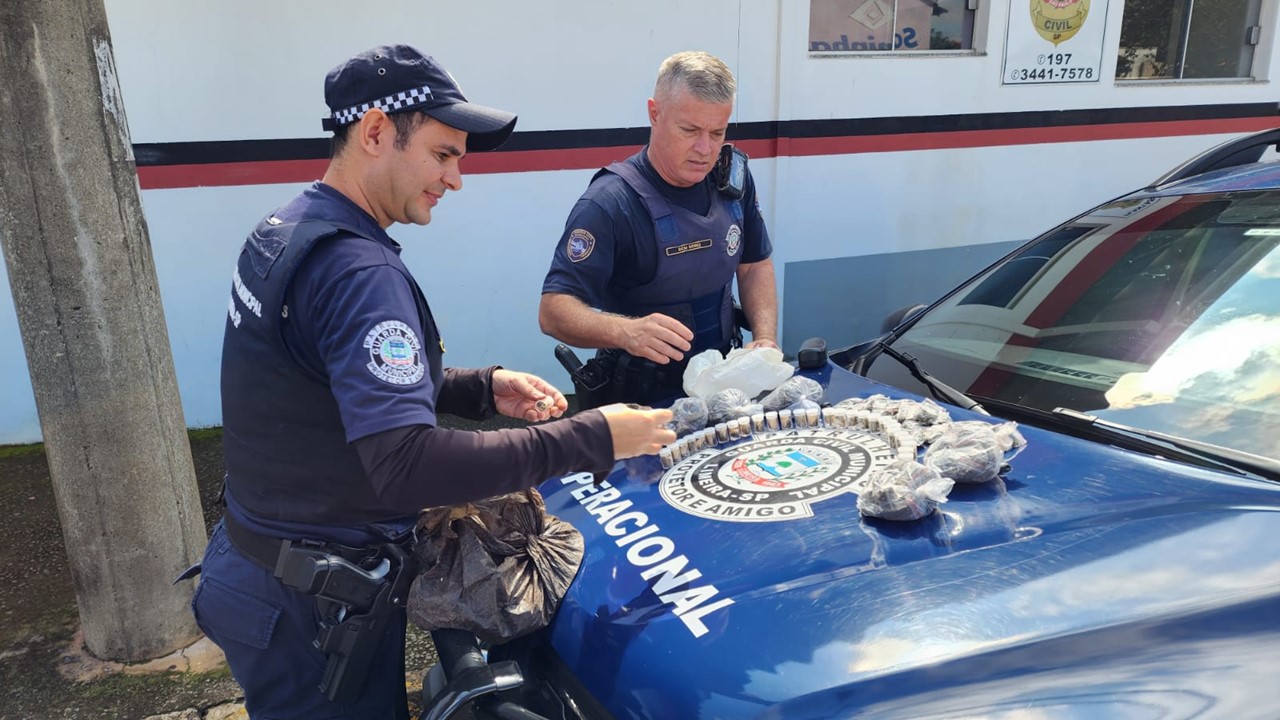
609, 245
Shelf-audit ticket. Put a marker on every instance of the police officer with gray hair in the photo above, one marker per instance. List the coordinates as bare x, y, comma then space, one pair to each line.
645, 267
332, 388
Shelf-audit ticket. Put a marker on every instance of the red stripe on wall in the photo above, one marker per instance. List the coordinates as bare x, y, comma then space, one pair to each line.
540, 160
156, 177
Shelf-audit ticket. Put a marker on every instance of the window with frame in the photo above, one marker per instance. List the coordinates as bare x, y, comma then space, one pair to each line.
889, 25
1188, 40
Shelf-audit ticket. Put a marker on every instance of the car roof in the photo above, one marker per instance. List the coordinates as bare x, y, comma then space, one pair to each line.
1253, 176
1230, 166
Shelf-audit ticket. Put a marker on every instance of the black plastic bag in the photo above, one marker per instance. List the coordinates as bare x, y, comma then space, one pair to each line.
497, 568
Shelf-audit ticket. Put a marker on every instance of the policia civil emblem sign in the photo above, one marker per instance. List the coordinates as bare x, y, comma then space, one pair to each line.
777, 476
1058, 20
1054, 41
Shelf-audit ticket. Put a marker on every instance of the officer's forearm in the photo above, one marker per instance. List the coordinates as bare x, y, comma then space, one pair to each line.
569, 320
759, 295
420, 466
467, 393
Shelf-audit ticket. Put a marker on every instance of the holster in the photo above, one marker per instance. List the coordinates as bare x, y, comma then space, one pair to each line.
358, 591
645, 382
593, 383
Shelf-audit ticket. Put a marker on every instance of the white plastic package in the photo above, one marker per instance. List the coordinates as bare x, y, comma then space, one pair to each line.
752, 371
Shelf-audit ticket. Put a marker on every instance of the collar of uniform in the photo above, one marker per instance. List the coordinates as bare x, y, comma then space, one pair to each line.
340, 208
697, 190
695, 198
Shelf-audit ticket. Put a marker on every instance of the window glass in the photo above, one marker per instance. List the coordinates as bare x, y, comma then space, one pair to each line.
889, 25
1216, 42
1164, 316
1007, 281
1184, 39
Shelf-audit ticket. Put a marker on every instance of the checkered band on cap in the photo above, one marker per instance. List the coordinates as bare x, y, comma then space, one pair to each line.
388, 104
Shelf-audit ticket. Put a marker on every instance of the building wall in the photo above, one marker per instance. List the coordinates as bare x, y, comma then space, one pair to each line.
864, 218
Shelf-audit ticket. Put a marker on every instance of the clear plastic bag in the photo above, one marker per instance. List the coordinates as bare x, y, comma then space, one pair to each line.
968, 452
903, 490
1011, 440
688, 415
877, 403
792, 390
730, 404
924, 412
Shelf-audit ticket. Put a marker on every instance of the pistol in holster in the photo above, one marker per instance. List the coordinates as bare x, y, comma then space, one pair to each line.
357, 603
593, 382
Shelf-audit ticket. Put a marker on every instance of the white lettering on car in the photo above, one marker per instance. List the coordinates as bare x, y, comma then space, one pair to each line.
653, 553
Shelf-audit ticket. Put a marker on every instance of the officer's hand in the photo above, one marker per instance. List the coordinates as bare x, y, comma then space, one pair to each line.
763, 343
637, 430
657, 337
525, 396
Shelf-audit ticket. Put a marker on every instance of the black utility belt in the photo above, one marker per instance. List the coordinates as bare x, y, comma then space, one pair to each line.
626, 364
268, 552
670, 374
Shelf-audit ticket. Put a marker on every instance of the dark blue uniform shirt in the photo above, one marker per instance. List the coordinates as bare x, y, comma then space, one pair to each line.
625, 251
358, 358
332, 381
343, 306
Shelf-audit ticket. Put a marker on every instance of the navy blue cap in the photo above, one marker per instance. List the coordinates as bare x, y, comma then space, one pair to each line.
397, 78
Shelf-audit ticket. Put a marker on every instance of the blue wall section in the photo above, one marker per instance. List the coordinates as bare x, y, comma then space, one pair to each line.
18, 421
845, 299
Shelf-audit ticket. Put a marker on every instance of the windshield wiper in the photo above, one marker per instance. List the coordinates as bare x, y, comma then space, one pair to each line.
940, 390
1150, 442
1176, 447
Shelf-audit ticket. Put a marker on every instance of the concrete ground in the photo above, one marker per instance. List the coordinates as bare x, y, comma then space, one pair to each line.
45, 674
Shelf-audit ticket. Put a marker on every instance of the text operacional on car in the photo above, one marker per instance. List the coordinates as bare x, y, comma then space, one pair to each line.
647, 549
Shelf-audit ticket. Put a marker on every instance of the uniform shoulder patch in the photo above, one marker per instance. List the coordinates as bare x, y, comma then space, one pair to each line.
580, 245
395, 354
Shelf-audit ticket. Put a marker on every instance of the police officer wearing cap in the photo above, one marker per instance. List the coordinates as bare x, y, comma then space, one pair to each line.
332, 386
646, 264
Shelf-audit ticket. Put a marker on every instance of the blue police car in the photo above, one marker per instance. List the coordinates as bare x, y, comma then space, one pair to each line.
1124, 564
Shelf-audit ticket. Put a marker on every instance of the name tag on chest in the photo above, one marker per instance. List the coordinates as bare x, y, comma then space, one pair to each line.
689, 247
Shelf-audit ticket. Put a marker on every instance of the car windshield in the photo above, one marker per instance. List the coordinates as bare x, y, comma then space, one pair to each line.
1160, 313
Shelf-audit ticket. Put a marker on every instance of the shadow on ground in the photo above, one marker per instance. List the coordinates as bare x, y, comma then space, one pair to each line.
38, 614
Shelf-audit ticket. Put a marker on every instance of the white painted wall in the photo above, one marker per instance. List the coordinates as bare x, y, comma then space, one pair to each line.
210, 70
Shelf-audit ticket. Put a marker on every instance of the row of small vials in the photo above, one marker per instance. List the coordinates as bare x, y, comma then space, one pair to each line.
898, 437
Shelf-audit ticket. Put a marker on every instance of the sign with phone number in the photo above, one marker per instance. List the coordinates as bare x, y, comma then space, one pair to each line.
1053, 67
1056, 41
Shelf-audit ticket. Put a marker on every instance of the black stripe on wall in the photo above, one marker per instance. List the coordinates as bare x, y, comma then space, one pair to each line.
230, 151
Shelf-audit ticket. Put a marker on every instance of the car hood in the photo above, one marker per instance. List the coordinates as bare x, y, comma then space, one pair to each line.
1087, 581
